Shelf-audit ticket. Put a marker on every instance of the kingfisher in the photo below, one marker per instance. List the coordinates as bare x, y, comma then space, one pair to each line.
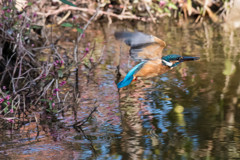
148, 50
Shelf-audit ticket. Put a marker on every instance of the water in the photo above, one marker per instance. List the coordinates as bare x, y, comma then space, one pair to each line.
190, 112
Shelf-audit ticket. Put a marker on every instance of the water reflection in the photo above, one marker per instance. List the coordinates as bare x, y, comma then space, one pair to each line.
209, 92
190, 112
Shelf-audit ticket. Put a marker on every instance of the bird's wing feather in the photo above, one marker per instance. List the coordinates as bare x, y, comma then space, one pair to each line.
143, 46
129, 77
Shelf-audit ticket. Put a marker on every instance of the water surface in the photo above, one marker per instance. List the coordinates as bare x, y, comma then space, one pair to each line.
191, 112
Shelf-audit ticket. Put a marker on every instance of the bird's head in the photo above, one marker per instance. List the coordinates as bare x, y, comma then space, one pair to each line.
173, 60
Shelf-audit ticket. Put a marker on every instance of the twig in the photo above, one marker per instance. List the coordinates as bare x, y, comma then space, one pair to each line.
92, 11
6, 66
64, 101
149, 12
57, 91
101, 57
44, 91
76, 91
80, 37
64, 18
82, 122
212, 15
88, 138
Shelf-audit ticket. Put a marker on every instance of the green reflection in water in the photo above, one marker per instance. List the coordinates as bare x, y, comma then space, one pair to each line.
143, 121
208, 91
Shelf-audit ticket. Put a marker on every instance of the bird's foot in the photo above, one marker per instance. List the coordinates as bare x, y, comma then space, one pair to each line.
135, 79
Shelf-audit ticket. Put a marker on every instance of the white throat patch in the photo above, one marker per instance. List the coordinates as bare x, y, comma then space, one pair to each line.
169, 64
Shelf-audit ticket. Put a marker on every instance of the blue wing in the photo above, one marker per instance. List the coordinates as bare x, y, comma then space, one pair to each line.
129, 77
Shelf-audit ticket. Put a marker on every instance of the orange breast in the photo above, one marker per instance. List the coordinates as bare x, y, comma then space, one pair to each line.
152, 68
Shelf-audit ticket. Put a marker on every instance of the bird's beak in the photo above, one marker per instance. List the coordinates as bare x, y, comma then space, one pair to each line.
188, 58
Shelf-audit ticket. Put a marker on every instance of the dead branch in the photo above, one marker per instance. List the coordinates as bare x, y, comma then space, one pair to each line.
100, 12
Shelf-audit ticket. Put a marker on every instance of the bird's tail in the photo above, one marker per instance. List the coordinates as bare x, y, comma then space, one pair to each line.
129, 77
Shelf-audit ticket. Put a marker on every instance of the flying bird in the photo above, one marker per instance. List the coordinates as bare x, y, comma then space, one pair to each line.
148, 50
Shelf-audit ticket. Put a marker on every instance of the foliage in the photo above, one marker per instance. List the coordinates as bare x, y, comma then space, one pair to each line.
71, 25
28, 82
154, 10
68, 3
164, 6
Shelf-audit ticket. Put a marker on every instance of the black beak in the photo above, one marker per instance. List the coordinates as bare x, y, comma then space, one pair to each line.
188, 58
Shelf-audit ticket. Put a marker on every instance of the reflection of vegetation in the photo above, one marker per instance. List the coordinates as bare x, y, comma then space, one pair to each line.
229, 68
212, 96
209, 91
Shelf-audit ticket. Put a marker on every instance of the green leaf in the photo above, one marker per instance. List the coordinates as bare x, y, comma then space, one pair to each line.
79, 30
159, 10
44, 100
30, 3
5, 103
50, 105
167, 10
60, 73
5, 8
68, 3
173, 6
5, 110
27, 32
7, 14
54, 111
36, 26
67, 25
